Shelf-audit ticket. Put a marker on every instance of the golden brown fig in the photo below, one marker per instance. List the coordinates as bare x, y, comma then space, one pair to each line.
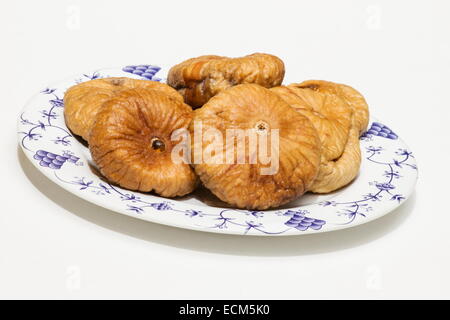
336, 174
336, 126
82, 101
330, 115
199, 79
349, 94
263, 115
130, 141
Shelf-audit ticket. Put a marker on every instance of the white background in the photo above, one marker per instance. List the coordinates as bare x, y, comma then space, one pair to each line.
54, 245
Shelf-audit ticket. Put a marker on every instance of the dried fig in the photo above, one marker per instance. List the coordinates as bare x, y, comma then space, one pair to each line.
130, 141
82, 101
336, 125
330, 115
350, 95
336, 174
199, 79
256, 110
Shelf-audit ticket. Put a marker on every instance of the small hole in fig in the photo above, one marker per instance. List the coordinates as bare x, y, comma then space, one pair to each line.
262, 127
157, 144
117, 81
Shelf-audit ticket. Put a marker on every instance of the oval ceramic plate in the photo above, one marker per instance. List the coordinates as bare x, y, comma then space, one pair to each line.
387, 177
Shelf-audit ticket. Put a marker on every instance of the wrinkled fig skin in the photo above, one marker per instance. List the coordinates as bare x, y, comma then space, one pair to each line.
242, 185
330, 115
334, 175
199, 79
130, 142
82, 101
350, 95
338, 124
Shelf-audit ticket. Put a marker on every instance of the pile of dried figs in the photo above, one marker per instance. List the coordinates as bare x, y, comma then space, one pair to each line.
226, 123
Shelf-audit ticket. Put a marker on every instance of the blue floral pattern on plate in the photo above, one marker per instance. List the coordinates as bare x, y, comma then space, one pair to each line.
387, 177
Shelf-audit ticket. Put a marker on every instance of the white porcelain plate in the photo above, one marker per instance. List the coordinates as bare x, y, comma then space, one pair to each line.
387, 177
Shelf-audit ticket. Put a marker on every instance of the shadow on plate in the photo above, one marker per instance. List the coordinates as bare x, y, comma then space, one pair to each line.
214, 242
